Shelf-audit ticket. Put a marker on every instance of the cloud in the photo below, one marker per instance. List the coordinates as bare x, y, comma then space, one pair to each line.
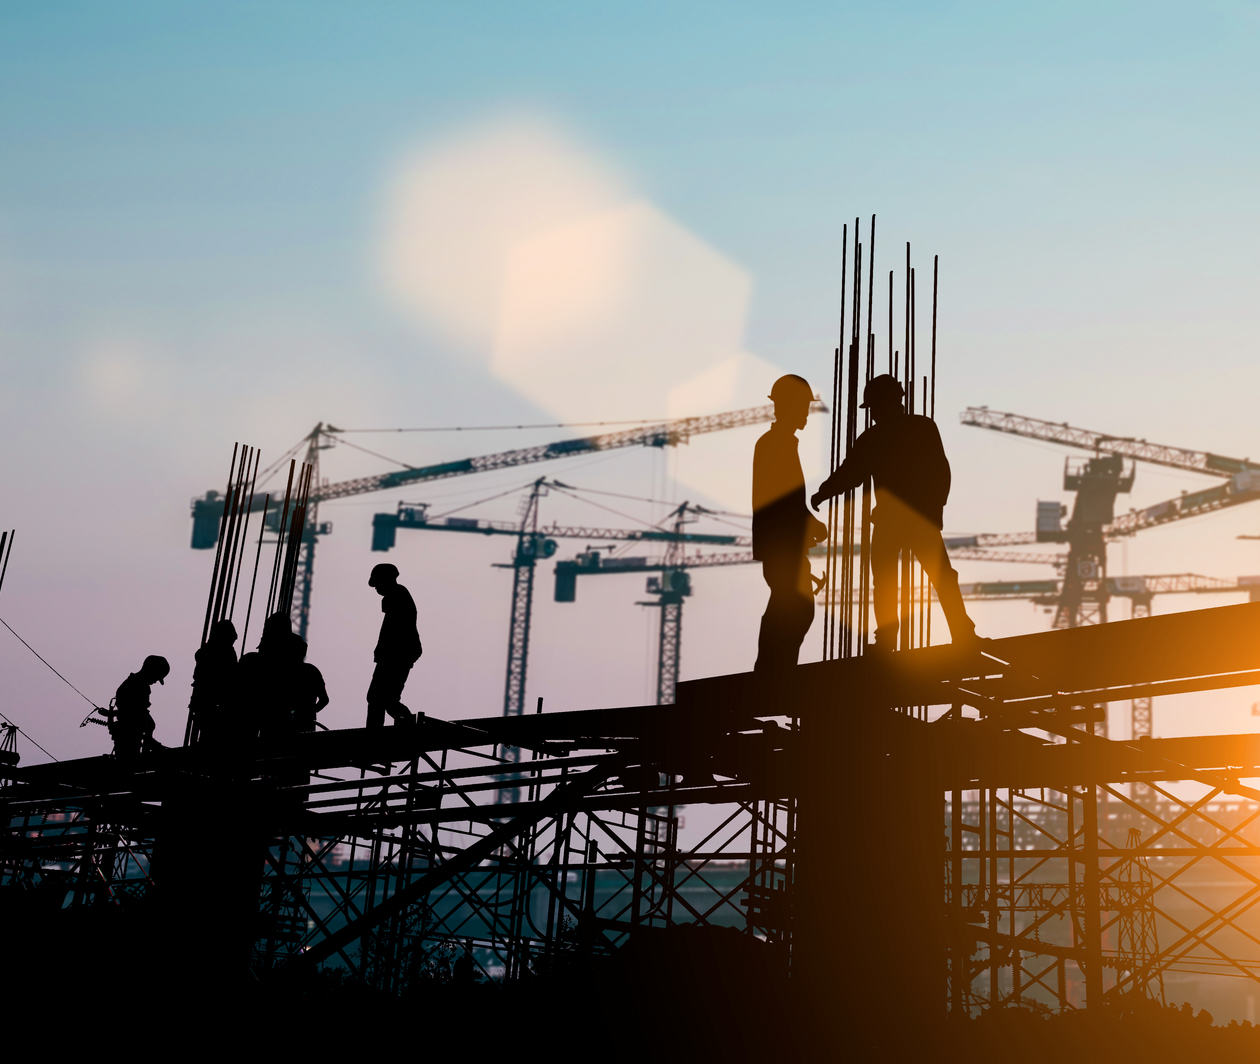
603, 316
568, 284
455, 211
122, 377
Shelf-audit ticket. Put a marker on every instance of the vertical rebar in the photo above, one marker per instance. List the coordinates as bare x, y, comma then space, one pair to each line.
912, 357
218, 551
936, 259
845, 648
851, 409
293, 542
229, 534
253, 580
281, 526
8, 538
905, 629
234, 535
249, 509
829, 600
892, 365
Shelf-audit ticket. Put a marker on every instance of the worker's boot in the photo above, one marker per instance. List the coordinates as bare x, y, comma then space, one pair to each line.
964, 637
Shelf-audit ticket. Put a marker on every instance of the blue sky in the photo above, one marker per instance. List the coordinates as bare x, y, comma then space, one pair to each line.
191, 203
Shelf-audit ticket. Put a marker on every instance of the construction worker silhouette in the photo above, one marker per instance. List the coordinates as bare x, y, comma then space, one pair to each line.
264, 682
397, 648
131, 724
309, 692
902, 453
783, 529
213, 682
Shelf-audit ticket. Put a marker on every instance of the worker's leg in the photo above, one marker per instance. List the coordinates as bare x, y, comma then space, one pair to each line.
400, 713
799, 610
382, 694
885, 551
789, 613
928, 546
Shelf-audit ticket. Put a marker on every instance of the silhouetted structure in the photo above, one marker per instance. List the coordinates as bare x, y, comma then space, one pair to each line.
902, 454
398, 648
783, 529
131, 725
583, 863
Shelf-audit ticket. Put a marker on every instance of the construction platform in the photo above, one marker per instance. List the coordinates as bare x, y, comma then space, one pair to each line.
889, 817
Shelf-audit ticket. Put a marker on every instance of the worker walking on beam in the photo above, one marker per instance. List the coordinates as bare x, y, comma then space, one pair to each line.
783, 529
131, 725
397, 648
902, 453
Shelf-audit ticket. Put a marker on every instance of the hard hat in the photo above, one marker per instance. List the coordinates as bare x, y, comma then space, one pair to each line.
223, 629
157, 667
881, 389
385, 571
789, 387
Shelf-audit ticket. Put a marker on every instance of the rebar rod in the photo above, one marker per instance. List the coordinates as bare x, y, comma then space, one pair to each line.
231, 504
234, 539
830, 598
214, 573
253, 580
281, 526
936, 259
8, 538
253, 483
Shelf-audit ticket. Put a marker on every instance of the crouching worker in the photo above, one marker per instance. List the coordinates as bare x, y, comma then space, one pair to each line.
131, 724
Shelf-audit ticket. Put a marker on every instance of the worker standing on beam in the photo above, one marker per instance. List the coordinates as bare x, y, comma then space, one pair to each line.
213, 683
783, 529
397, 648
902, 453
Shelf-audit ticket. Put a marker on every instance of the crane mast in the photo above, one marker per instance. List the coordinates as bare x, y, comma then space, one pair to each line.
529, 545
1085, 588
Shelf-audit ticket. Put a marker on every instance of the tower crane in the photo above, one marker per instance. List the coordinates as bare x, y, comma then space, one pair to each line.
207, 510
1139, 590
1097, 480
674, 584
534, 542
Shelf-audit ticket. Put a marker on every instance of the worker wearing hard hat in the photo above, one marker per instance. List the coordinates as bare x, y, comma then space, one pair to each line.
397, 648
131, 725
902, 453
783, 529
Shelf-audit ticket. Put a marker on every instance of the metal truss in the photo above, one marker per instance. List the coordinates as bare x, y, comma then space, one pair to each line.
1077, 869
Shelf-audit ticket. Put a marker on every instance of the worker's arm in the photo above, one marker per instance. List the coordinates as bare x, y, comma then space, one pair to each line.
817, 530
849, 474
939, 465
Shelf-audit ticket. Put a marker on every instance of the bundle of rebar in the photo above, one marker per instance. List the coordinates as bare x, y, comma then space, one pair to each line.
289, 522
847, 597
6, 548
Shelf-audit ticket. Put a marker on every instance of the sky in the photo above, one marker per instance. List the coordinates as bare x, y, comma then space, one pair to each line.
229, 222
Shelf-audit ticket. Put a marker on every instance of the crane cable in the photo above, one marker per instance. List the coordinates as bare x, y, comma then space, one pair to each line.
507, 428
